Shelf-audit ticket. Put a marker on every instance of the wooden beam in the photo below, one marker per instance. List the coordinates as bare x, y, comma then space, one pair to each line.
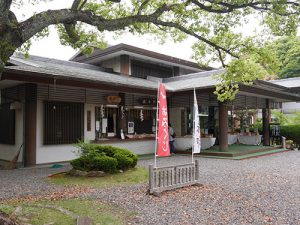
271, 94
124, 64
38, 78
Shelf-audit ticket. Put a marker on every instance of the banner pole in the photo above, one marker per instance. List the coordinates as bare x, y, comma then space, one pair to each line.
193, 147
157, 100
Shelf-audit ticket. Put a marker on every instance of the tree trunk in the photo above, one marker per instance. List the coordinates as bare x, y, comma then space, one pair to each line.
9, 42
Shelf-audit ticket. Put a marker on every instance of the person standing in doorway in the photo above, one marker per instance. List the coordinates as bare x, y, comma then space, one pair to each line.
171, 139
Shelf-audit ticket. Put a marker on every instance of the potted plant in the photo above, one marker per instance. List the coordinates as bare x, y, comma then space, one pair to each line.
289, 144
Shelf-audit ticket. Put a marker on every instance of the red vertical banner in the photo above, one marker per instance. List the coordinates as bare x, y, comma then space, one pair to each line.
163, 148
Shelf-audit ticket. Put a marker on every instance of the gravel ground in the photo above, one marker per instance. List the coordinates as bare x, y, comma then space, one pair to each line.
27, 182
263, 190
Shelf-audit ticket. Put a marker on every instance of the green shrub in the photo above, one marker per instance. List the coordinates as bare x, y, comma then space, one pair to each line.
291, 132
124, 162
95, 162
78, 164
104, 158
85, 148
126, 159
257, 126
105, 163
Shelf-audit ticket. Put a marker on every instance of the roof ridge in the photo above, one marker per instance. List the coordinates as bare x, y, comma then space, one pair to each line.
286, 79
193, 75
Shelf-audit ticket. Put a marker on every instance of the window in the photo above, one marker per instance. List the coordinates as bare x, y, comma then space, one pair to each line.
7, 125
63, 122
147, 124
142, 70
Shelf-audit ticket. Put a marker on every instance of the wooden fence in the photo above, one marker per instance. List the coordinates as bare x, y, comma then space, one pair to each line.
172, 177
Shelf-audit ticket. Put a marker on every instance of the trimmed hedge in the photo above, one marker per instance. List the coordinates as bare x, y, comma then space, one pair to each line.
126, 159
291, 132
103, 158
95, 162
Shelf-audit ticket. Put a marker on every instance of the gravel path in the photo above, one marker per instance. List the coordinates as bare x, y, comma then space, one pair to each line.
263, 190
27, 182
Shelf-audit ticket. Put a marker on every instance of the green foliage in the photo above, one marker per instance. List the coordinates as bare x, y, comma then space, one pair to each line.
257, 126
291, 132
24, 49
95, 162
126, 159
86, 39
85, 148
287, 51
104, 158
284, 119
243, 71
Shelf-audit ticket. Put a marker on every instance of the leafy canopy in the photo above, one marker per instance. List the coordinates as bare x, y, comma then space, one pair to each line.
215, 24
287, 53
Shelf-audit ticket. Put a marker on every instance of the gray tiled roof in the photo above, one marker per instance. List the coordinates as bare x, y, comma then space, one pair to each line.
191, 81
72, 70
289, 82
83, 72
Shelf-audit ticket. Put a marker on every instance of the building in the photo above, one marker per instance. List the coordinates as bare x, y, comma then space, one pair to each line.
47, 105
293, 84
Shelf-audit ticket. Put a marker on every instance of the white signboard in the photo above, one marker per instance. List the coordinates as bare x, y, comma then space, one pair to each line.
98, 125
130, 127
104, 125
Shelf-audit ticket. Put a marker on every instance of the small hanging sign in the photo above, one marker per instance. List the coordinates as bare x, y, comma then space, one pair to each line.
113, 99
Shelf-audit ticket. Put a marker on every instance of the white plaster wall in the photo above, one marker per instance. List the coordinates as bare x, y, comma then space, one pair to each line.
138, 147
50, 153
8, 152
89, 135
113, 63
60, 153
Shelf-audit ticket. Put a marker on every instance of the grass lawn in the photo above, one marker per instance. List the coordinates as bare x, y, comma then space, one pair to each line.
104, 214
133, 176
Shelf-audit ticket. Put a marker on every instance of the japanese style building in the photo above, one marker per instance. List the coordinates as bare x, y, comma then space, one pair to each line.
47, 105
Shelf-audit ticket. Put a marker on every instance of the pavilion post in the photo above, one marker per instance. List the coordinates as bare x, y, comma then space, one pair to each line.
30, 124
223, 127
266, 115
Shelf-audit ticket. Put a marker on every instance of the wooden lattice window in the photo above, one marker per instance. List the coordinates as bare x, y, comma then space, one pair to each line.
63, 122
7, 125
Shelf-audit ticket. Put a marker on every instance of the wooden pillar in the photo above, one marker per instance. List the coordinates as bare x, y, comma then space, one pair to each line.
223, 127
124, 64
211, 120
30, 124
266, 115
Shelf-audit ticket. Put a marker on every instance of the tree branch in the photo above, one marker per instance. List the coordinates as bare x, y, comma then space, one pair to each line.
4, 14
71, 27
189, 32
4, 7
42, 20
257, 5
142, 6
